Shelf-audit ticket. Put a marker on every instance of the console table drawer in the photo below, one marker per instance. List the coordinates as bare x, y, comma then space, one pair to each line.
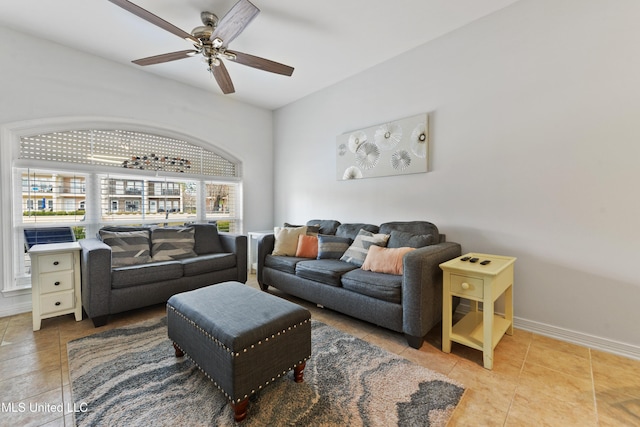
55, 262
56, 281
468, 287
50, 303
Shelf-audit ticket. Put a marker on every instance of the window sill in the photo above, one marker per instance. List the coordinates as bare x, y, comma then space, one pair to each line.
14, 292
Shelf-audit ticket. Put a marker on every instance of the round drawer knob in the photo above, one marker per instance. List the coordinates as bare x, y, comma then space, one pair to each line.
58, 303
56, 284
55, 263
465, 286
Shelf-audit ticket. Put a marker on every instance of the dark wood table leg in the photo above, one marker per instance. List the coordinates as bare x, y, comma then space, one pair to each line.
298, 372
179, 353
240, 409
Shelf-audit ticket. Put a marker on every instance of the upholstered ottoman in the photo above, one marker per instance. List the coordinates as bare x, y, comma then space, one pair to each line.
241, 338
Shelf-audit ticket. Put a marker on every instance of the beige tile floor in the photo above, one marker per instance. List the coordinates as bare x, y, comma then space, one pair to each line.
536, 381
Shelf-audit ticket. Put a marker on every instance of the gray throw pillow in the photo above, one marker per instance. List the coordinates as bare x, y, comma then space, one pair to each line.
207, 240
332, 247
172, 243
357, 252
127, 247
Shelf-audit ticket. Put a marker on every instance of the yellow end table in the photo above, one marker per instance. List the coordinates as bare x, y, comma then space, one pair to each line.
471, 278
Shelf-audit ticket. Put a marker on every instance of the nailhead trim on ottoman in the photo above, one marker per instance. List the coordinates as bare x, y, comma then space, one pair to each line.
241, 338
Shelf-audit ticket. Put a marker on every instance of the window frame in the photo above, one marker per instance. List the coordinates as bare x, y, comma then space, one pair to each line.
10, 136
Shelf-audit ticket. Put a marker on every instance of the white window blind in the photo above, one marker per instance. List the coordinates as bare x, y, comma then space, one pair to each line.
126, 149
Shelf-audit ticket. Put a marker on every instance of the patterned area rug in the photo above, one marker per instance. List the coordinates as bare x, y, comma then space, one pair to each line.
130, 376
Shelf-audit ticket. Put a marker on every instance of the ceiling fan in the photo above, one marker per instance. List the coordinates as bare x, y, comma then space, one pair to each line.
211, 40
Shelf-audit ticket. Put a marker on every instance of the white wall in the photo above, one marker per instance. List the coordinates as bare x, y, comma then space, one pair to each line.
535, 153
41, 80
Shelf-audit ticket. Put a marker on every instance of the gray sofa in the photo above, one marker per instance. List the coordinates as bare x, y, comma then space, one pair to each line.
410, 303
139, 279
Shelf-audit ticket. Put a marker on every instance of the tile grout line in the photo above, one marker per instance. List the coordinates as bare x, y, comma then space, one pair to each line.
593, 388
515, 390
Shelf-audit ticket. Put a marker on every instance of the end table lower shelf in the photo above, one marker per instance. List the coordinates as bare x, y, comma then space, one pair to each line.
470, 330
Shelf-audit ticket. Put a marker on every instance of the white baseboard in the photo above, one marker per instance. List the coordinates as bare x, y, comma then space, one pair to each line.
16, 309
567, 335
579, 338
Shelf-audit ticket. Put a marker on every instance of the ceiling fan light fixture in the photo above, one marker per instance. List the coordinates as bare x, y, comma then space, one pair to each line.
217, 43
228, 55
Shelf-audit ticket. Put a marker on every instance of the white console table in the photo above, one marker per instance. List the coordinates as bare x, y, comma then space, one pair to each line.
55, 281
252, 248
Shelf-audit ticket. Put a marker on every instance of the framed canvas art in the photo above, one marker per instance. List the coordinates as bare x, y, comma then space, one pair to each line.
399, 147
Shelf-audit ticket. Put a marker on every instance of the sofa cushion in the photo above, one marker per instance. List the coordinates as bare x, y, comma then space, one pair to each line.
327, 271
124, 277
127, 247
285, 264
169, 243
207, 263
332, 247
286, 241
413, 227
385, 260
386, 287
326, 226
351, 230
357, 252
404, 239
207, 240
307, 247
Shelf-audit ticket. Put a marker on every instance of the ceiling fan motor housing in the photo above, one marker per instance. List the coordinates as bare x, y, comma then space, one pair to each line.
209, 19
203, 32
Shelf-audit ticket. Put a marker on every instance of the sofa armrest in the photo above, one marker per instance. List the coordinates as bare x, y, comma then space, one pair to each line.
266, 243
422, 287
95, 267
236, 244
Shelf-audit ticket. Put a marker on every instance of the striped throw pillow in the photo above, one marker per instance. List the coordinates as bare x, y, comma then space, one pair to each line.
357, 252
127, 247
332, 247
172, 243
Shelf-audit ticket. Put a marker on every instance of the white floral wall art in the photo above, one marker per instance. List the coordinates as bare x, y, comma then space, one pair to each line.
395, 148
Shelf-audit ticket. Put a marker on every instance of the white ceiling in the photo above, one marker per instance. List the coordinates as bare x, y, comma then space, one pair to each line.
326, 41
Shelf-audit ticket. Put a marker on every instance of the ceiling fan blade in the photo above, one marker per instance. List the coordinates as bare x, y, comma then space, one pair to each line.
232, 24
261, 63
165, 57
223, 78
156, 20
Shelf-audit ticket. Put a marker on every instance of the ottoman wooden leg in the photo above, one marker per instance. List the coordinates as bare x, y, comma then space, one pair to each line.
298, 372
240, 409
179, 353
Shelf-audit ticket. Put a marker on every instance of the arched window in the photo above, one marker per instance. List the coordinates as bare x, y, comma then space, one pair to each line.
87, 178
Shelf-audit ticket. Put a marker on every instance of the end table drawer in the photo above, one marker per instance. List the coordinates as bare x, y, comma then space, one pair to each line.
56, 281
470, 287
51, 303
55, 262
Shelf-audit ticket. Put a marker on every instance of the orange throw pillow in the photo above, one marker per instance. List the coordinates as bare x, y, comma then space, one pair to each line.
307, 247
385, 260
